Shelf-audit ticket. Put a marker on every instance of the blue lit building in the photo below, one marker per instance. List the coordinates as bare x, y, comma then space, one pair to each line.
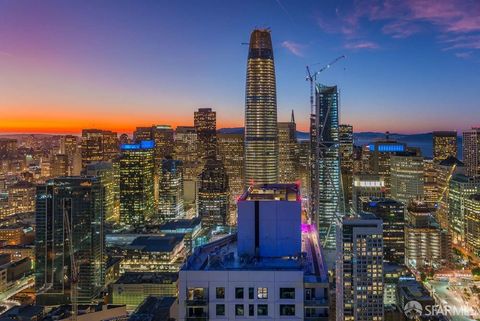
136, 167
327, 196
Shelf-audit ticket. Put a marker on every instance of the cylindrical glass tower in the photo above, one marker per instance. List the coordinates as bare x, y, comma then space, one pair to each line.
261, 137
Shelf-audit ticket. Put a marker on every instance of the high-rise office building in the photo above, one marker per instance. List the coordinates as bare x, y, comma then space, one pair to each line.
69, 146
231, 153
187, 151
162, 135
104, 172
205, 123
59, 165
259, 273
430, 193
472, 222
359, 269
379, 156
261, 141
170, 191
392, 213
444, 145
445, 170
406, 177
459, 190
136, 169
213, 196
471, 151
303, 166
366, 185
426, 243
21, 197
287, 151
345, 137
77, 200
328, 199
98, 145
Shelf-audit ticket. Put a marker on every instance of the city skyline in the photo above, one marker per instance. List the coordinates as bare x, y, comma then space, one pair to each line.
129, 66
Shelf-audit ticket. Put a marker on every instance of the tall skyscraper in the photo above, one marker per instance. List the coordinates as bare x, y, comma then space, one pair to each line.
444, 145
78, 200
426, 243
213, 194
105, 174
407, 177
327, 165
445, 170
472, 218
205, 122
170, 191
162, 135
187, 151
136, 167
287, 151
471, 151
261, 141
392, 213
460, 188
231, 153
98, 145
346, 162
360, 269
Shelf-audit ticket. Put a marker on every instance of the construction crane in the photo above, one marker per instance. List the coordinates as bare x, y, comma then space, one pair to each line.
312, 78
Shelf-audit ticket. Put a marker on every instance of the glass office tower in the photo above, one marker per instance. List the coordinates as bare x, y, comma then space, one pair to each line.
80, 200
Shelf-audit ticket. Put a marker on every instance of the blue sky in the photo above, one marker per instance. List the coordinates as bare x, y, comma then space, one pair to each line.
411, 66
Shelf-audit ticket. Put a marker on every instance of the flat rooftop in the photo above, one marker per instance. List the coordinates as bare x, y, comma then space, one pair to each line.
181, 224
222, 255
147, 277
272, 192
164, 243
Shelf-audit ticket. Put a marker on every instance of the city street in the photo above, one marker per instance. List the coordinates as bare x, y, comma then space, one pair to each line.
452, 295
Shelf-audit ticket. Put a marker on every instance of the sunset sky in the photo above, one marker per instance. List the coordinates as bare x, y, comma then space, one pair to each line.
411, 66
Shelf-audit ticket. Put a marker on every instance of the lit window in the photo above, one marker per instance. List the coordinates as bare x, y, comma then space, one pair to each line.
262, 293
239, 311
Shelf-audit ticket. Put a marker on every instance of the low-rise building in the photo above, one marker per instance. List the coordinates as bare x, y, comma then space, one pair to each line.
134, 287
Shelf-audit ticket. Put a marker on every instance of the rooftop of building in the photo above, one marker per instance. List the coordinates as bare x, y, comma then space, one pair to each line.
147, 277
272, 192
450, 161
164, 243
180, 224
22, 184
222, 255
375, 201
413, 290
153, 309
22, 312
64, 311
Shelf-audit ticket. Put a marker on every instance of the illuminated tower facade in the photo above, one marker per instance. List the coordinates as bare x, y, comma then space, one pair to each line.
444, 145
98, 145
137, 183
261, 142
471, 151
327, 165
287, 151
205, 122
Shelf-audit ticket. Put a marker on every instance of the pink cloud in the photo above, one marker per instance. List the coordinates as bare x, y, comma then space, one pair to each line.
405, 18
293, 47
361, 45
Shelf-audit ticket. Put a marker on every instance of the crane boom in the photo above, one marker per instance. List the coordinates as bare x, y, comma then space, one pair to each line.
312, 78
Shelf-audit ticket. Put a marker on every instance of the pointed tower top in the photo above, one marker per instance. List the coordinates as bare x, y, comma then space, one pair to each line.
293, 117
